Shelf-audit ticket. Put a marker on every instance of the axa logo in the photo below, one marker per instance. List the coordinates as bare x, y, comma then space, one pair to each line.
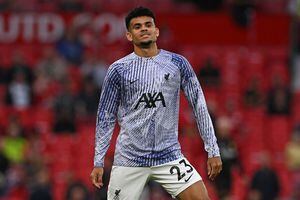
150, 99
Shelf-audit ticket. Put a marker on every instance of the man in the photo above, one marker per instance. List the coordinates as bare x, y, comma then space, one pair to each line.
142, 91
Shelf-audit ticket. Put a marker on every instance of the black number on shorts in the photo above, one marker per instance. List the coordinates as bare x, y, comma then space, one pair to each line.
179, 175
186, 165
177, 170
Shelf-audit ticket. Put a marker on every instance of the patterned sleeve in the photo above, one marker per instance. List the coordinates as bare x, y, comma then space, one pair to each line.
193, 92
106, 114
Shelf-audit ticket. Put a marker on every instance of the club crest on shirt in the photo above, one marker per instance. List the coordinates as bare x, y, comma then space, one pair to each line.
167, 76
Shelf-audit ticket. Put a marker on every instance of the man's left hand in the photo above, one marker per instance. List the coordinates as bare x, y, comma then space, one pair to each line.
214, 167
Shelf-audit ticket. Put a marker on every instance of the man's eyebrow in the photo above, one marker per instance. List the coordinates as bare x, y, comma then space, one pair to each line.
139, 23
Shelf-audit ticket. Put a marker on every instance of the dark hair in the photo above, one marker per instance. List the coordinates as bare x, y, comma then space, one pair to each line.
138, 12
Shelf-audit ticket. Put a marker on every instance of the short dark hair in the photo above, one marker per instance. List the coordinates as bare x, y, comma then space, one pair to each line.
138, 12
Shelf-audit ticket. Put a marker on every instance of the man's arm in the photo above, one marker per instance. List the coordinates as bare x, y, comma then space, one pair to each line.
106, 118
192, 90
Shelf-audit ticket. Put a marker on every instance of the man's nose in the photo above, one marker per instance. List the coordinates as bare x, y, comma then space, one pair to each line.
144, 28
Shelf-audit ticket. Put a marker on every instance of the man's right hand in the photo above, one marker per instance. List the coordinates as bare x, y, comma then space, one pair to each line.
96, 177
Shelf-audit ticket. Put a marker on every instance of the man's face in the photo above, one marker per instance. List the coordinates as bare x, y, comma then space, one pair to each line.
142, 31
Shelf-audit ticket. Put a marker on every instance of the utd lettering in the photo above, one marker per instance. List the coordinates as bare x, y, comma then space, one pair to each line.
150, 100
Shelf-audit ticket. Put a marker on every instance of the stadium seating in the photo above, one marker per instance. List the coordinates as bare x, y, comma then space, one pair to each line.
70, 156
277, 132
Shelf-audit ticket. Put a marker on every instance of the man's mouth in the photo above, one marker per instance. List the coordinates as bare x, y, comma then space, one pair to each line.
145, 35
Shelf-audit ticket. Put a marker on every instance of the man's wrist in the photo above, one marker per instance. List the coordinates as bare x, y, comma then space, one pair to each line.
98, 164
213, 154
98, 167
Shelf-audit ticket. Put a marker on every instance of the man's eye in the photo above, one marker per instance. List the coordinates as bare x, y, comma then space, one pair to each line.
149, 24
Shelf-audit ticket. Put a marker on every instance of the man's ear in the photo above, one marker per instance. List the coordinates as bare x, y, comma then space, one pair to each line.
157, 32
129, 36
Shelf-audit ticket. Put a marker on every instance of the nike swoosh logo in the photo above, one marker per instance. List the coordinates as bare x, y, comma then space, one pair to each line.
133, 81
186, 180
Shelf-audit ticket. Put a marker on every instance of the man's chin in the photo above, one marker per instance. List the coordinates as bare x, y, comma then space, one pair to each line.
145, 44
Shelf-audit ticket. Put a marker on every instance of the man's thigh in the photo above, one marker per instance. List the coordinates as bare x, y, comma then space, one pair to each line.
127, 183
196, 191
175, 176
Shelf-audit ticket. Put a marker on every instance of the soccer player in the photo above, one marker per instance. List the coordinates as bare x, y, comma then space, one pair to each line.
141, 90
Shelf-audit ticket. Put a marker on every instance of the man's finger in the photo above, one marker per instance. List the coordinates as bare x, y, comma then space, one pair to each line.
209, 168
214, 166
219, 169
219, 165
99, 180
96, 177
213, 172
96, 184
94, 181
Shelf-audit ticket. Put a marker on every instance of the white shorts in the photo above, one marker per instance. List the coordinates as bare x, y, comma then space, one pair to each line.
127, 183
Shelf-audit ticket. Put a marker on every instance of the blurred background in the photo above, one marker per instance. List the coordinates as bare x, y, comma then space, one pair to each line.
54, 55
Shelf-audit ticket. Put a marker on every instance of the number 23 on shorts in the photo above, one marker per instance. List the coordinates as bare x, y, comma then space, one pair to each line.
185, 174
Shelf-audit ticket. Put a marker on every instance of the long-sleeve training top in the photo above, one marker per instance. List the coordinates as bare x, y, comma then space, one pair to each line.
142, 94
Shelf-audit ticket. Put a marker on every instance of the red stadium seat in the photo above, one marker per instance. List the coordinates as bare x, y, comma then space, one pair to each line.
296, 108
6, 54
18, 193
277, 133
2, 94
59, 190
43, 118
76, 77
255, 139
239, 187
254, 66
285, 182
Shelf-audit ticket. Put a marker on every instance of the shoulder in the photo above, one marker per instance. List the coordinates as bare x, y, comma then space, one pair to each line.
177, 59
181, 63
124, 60
119, 65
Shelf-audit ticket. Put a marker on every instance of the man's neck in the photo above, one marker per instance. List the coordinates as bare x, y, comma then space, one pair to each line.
146, 52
